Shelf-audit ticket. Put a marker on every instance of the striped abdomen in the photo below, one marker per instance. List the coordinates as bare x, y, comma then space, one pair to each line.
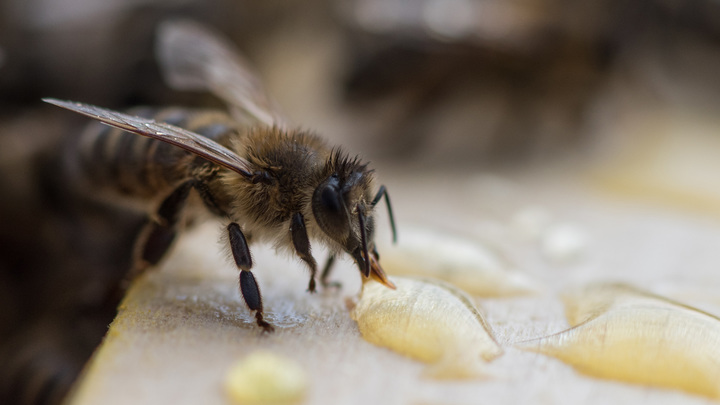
109, 159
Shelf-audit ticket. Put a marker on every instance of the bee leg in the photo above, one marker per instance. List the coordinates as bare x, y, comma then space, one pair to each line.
302, 246
159, 233
248, 285
326, 273
208, 199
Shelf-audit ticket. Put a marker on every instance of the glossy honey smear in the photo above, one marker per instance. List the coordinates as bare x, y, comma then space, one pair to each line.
430, 321
462, 262
626, 334
266, 378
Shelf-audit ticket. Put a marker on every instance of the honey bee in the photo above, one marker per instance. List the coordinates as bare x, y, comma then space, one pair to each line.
270, 182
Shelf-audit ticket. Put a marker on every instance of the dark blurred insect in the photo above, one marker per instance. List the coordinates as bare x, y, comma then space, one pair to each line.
271, 183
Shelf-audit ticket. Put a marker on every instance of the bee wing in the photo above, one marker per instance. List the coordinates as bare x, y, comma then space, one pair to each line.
193, 57
171, 134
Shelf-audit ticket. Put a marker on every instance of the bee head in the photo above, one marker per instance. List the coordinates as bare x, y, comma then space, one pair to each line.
341, 206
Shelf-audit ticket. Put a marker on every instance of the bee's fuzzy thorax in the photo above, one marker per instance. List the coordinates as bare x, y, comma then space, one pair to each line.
297, 162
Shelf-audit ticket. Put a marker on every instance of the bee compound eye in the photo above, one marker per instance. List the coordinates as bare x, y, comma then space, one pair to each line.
330, 199
329, 208
328, 196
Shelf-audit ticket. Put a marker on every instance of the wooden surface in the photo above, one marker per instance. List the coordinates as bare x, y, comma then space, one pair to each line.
182, 327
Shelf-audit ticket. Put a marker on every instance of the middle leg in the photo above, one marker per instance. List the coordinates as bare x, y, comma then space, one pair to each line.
248, 285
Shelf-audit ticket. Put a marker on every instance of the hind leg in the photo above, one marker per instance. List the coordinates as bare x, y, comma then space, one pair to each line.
160, 232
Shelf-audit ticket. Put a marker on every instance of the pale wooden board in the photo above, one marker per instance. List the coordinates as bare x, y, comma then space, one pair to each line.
182, 326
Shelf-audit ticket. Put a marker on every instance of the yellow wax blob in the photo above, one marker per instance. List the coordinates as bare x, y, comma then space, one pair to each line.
266, 378
626, 334
430, 321
464, 263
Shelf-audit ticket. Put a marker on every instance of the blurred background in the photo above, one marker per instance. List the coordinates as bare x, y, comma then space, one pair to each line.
626, 90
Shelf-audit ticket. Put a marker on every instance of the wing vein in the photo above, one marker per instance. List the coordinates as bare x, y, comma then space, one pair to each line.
190, 141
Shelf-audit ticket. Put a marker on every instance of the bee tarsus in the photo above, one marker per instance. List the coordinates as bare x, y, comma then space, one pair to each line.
253, 299
326, 273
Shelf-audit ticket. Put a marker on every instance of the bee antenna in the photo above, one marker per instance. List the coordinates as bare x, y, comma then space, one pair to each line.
383, 192
363, 239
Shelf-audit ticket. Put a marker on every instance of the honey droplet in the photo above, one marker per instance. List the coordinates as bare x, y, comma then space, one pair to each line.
630, 335
430, 321
462, 262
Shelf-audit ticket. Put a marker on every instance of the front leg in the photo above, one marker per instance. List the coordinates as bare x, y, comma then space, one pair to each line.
302, 246
248, 285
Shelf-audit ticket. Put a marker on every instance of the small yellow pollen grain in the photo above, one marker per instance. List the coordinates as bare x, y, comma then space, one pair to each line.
266, 378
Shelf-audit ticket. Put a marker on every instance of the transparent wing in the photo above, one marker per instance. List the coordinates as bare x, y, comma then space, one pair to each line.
193, 57
185, 139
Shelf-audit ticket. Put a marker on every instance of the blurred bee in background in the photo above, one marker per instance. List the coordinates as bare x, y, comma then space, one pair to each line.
271, 183
477, 81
